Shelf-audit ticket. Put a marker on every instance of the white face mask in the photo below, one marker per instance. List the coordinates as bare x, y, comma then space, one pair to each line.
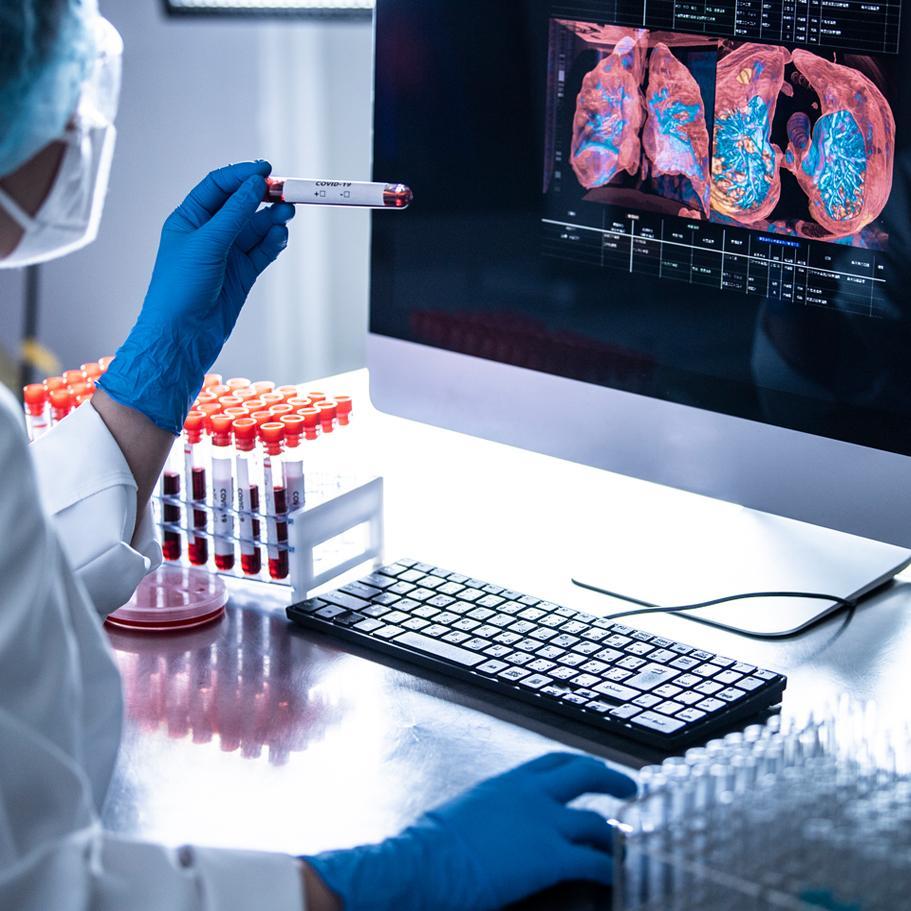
69, 217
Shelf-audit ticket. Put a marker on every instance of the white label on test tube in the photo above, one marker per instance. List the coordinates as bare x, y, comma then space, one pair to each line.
223, 491
294, 483
244, 520
269, 501
335, 192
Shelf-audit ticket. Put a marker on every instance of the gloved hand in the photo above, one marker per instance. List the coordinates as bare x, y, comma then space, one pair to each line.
506, 838
213, 248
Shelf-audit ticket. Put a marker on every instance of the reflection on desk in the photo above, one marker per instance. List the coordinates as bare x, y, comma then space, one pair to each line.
230, 680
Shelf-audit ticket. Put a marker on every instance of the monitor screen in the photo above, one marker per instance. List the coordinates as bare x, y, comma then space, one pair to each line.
701, 201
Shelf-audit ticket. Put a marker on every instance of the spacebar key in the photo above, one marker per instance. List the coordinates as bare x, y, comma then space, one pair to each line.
440, 649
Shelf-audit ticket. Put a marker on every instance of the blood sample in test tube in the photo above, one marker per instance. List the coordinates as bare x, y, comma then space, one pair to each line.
92, 370
272, 435
61, 404
293, 462
245, 436
195, 484
35, 398
171, 540
223, 490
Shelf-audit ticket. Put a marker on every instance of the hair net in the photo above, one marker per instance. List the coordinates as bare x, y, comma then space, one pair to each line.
46, 52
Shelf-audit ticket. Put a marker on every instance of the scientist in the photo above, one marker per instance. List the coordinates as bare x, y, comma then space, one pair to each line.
73, 507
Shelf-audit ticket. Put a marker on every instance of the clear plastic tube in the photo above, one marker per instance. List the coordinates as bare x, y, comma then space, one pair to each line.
223, 491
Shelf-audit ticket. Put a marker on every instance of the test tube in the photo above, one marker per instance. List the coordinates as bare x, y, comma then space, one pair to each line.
223, 491
196, 487
293, 462
73, 376
92, 370
35, 398
245, 433
171, 539
272, 435
61, 404
54, 382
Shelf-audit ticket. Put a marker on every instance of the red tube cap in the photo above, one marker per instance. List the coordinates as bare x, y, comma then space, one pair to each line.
195, 425
272, 435
294, 429
35, 398
245, 434
222, 429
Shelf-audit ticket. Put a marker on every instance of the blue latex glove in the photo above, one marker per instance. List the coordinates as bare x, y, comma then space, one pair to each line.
503, 840
213, 248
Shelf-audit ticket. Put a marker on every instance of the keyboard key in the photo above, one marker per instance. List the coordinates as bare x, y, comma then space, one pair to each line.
407, 604
427, 612
622, 629
670, 708
689, 698
750, 683
458, 578
389, 632
618, 674
555, 690
410, 575
510, 594
625, 711
727, 677
702, 656
685, 663
764, 675
721, 661
600, 708
594, 634
489, 601
573, 659
491, 667
481, 613
470, 594
456, 637
650, 676
330, 612
549, 652
708, 688
586, 680
631, 663
655, 722
687, 680
368, 626
492, 589
710, 705
513, 673
543, 634
594, 667
495, 651
423, 567
386, 598
507, 638
510, 607
375, 610
446, 618
690, 715
706, 670
564, 673
422, 594
662, 656
680, 648
477, 644
522, 627
450, 588
401, 588
617, 641
742, 668
647, 700
535, 681
564, 640
520, 658
541, 666
587, 648
442, 573
438, 631
375, 580
731, 694
552, 621
604, 623
640, 636
359, 590
396, 616
528, 645
394, 569
349, 602
439, 649
661, 643
575, 698
528, 600
487, 631
608, 655
416, 623
567, 612
441, 601
466, 624
617, 692
639, 648
501, 620
573, 628
668, 690
532, 613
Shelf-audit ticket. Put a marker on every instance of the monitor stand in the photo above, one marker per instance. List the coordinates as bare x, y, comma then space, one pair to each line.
693, 549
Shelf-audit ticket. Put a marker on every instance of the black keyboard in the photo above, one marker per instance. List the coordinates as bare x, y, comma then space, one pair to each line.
616, 679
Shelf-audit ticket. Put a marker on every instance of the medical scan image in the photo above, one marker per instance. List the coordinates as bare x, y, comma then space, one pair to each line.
786, 141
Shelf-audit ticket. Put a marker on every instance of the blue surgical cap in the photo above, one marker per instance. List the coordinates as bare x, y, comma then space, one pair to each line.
46, 53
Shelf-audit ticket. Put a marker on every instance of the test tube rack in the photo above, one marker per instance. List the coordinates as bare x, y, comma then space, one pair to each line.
329, 536
792, 817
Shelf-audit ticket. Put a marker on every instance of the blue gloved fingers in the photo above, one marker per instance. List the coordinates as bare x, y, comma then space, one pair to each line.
587, 864
225, 225
268, 250
548, 762
214, 190
258, 227
588, 827
587, 775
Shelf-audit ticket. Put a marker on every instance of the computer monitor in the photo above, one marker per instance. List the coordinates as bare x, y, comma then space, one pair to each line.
667, 238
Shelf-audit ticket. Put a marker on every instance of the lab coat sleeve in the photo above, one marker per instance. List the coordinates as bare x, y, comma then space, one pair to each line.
60, 721
88, 490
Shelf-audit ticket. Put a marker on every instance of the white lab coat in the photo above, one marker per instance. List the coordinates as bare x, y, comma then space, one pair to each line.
60, 695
